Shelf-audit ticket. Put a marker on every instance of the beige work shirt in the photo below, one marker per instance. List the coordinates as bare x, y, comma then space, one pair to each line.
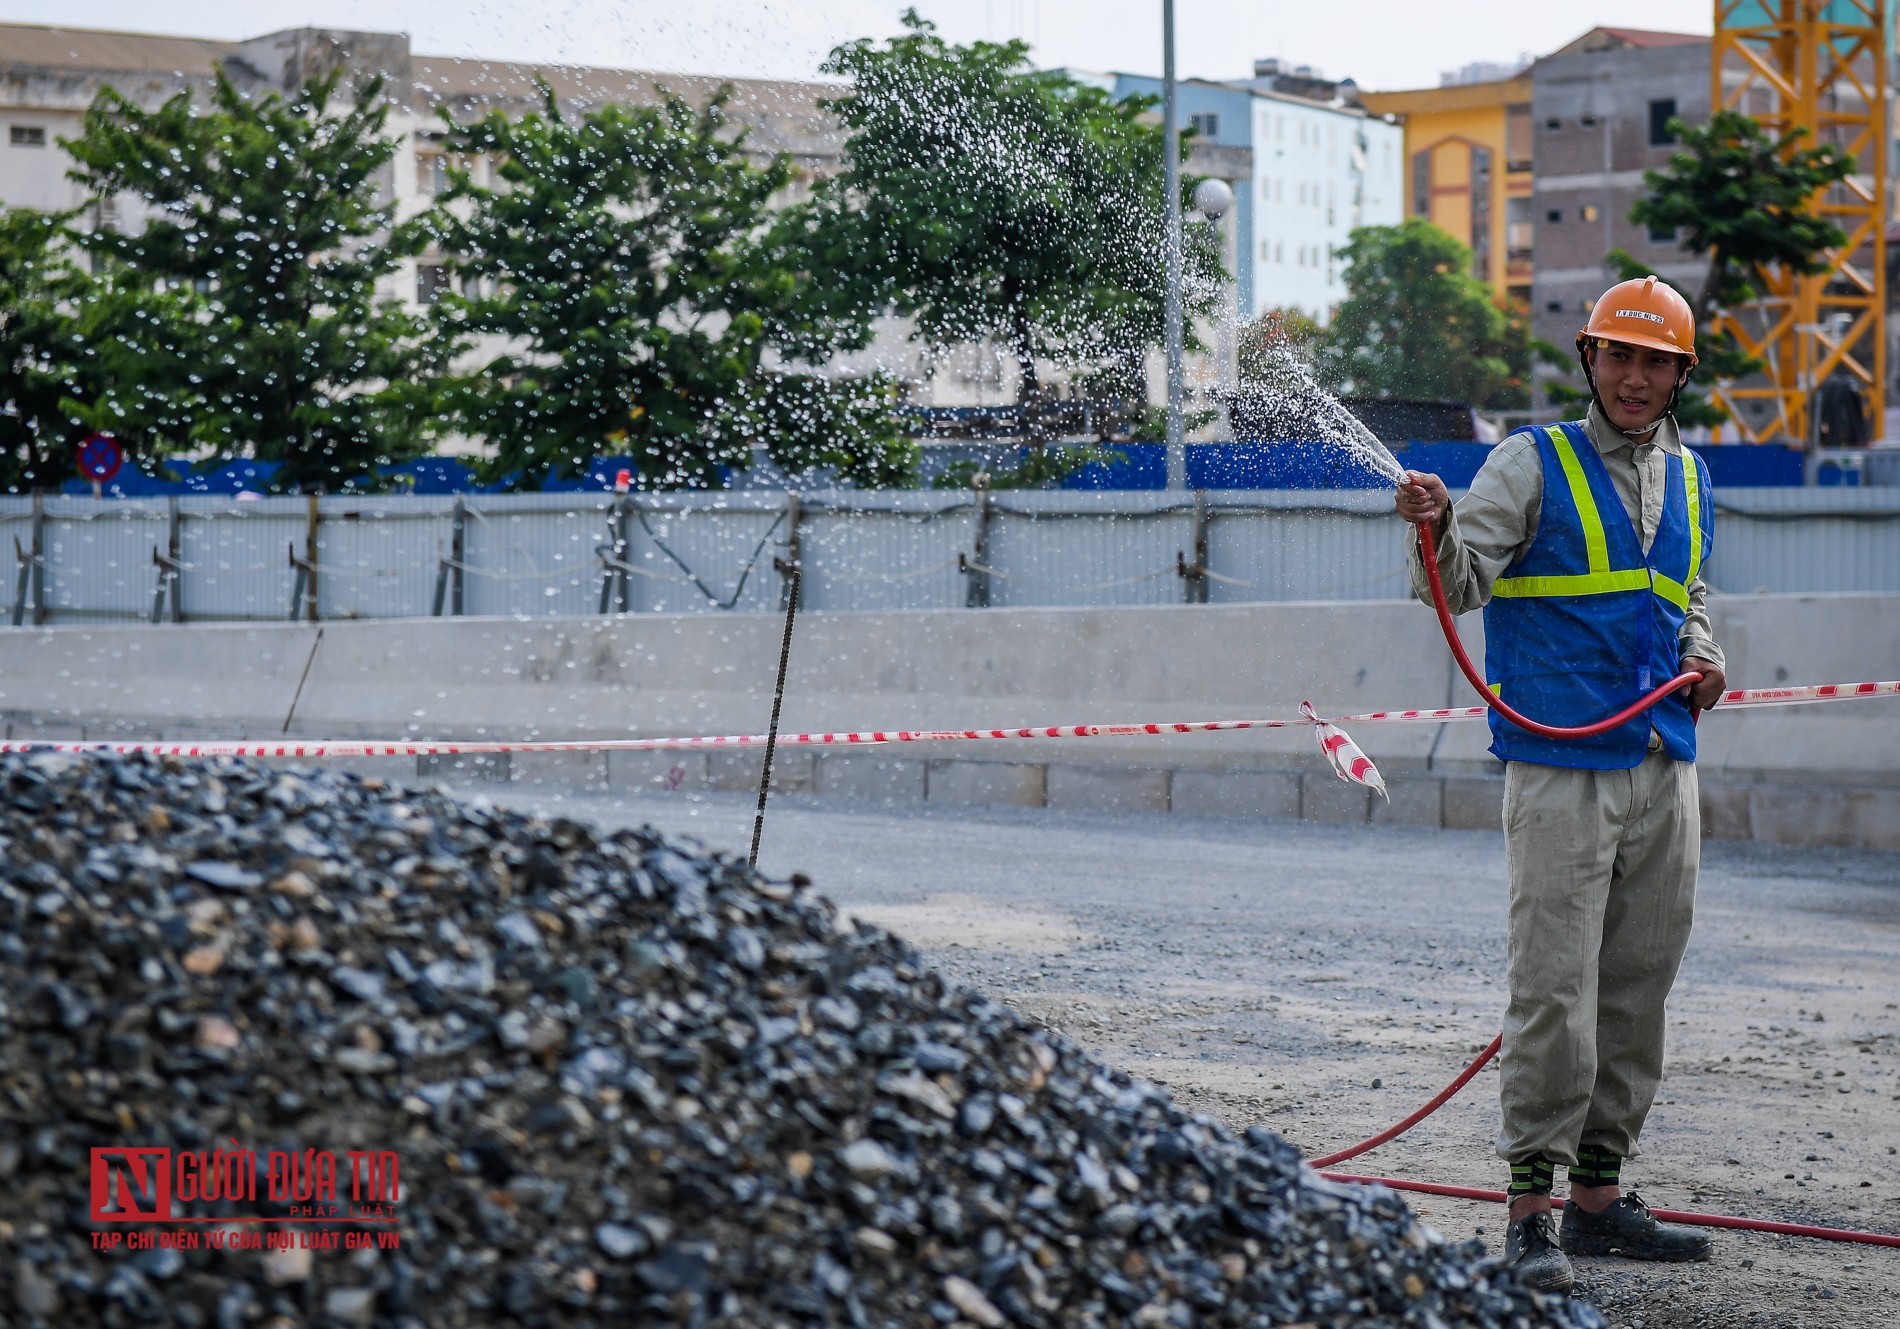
1496, 520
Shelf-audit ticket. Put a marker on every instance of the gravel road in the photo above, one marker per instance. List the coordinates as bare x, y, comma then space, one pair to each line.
1326, 980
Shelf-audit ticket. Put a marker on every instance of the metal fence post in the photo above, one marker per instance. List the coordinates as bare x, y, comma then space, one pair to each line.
977, 596
310, 558
174, 546
794, 561
458, 550
623, 584
39, 557
170, 570
449, 571
616, 586
19, 585
1196, 573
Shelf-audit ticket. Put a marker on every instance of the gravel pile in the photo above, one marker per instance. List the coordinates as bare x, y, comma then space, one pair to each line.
628, 1083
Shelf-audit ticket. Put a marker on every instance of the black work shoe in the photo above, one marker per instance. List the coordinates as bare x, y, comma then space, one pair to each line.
1627, 1228
1531, 1250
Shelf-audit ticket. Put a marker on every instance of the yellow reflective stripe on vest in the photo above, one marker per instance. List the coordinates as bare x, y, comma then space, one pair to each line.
1597, 548
1673, 591
1599, 580
1591, 583
1692, 489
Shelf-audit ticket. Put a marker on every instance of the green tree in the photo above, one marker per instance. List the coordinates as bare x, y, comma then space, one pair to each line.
1416, 324
243, 315
987, 200
37, 353
630, 261
1743, 200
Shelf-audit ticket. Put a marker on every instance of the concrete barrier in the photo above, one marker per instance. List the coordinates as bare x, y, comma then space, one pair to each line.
647, 675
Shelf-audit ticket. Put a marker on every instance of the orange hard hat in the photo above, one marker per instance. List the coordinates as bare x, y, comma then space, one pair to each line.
1646, 311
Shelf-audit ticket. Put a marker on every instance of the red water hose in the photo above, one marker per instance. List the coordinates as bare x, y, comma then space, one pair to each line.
1443, 1097
1428, 549
1688, 1216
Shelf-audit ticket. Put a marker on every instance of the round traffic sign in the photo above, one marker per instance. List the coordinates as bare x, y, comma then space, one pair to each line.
100, 457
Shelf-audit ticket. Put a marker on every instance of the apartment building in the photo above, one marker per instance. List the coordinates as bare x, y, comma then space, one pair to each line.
1317, 164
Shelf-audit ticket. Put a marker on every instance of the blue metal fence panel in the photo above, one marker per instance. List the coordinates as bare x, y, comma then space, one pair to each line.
541, 554
889, 551
1089, 549
535, 554
236, 555
1324, 545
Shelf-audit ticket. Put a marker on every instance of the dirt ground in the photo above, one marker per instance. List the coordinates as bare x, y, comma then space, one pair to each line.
1325, 981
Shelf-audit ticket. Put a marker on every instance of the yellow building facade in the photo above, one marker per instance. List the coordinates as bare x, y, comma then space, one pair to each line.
1468, 170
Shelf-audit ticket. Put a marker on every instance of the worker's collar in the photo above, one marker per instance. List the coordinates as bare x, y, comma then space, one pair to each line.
1609, 438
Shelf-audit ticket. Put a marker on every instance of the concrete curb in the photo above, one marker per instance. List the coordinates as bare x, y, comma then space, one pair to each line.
1793, 814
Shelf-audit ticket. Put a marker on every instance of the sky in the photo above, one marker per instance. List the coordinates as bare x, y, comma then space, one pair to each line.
1383, 44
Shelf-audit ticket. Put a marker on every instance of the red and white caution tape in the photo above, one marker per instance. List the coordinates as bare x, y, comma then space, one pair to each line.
1740, 697
1349, 763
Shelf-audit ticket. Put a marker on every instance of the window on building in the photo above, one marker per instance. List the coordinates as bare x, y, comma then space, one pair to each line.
1481, 213
26, 136
1422, 184
1554, 306
1517, 230
1205, 123
1586, 122
1517, 137
432, 282
1553, 123
1589, 212
1661, 112
1662, 235
1554, 215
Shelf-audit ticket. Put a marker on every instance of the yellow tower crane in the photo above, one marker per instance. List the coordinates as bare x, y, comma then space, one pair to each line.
1819, 66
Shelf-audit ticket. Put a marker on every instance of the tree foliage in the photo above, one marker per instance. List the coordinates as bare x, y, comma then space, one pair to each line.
990, 201
647, 300
1415, 324
37, 284
243, 315
1743, 200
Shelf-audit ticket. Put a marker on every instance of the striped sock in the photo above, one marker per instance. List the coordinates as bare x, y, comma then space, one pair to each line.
1532, 1176
1596, 1167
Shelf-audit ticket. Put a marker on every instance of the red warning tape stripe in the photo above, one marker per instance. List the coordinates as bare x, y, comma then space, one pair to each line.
1737, 698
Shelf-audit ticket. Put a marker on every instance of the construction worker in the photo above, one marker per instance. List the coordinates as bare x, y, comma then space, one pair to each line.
1583, 542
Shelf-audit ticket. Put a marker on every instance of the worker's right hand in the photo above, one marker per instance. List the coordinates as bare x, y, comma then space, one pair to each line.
1422, 497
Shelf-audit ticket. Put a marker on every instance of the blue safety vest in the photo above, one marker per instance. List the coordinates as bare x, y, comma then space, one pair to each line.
1583, 623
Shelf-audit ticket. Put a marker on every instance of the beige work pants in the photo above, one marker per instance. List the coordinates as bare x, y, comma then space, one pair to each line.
1603, 871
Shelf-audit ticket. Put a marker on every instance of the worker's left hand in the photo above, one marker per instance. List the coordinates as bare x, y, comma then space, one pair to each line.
1704, 694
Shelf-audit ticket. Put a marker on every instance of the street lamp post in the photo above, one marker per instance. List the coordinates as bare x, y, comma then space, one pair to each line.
1171, 187
1213, 198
